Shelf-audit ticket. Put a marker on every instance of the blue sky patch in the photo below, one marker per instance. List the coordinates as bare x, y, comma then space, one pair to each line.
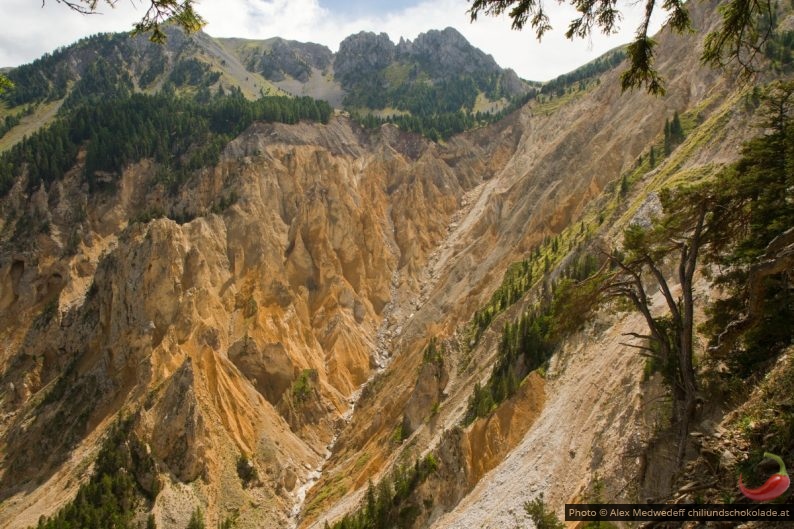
366, 7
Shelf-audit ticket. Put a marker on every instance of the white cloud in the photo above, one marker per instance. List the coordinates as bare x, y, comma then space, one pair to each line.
29, 30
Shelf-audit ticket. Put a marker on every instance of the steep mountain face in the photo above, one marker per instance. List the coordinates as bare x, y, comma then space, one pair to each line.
292, 321
446, 52
439, 54
361, 54
376, 73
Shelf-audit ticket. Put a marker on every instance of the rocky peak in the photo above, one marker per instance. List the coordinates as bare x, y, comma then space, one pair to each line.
363, 52
447, 52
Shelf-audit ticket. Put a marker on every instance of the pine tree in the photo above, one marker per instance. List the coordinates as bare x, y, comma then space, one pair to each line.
754, 245
541, 516
371, 506
676, 130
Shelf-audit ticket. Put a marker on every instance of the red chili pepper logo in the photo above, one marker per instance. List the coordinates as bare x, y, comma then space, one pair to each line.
774, 487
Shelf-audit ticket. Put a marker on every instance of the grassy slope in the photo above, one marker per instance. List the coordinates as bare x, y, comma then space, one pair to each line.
43, 115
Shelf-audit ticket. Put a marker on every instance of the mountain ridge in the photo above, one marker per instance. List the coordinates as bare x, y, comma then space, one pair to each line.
276, 59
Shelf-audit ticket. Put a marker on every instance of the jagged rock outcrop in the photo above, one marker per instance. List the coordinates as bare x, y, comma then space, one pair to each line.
366, 61
427, 395
446, 52
361, 55
182, 447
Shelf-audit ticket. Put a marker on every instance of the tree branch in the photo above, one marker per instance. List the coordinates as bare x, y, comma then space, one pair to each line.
639, 336
668, 296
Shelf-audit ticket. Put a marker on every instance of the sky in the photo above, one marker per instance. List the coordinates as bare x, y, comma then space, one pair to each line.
28, 29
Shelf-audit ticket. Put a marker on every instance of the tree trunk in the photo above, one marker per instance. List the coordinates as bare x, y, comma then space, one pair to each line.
685, 328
